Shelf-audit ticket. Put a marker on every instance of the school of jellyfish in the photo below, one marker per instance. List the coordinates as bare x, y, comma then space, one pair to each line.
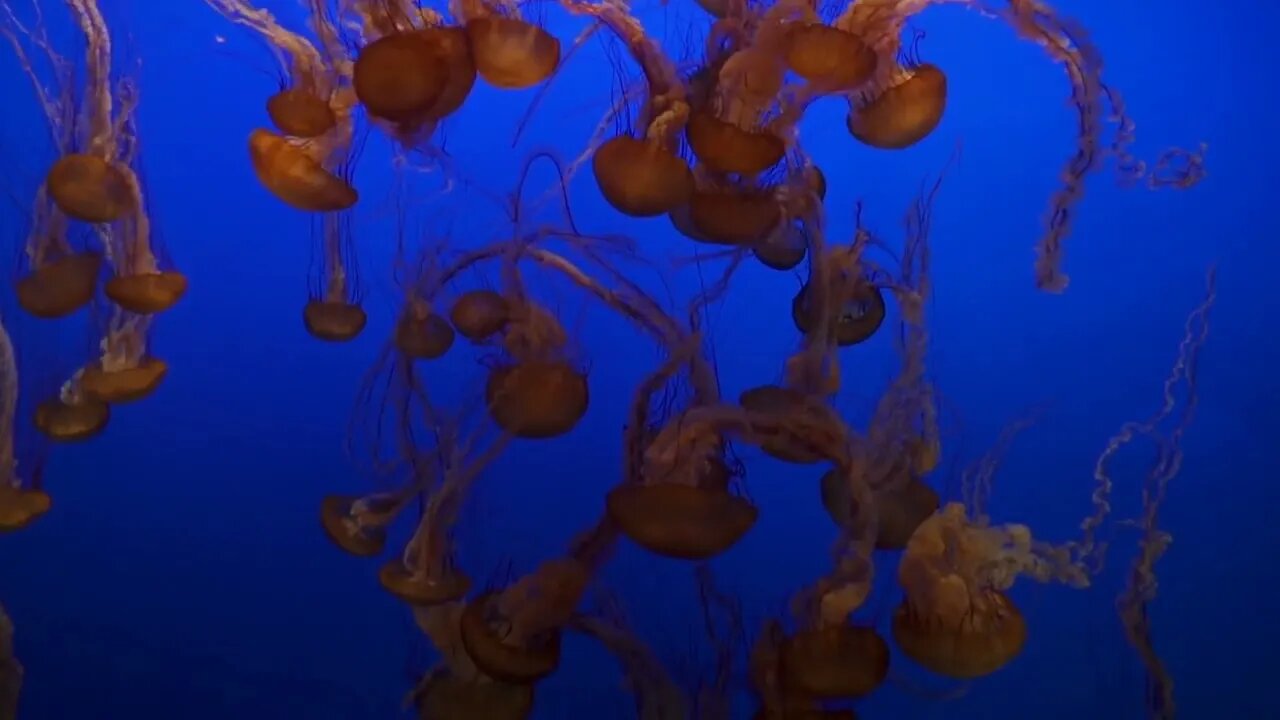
710, 142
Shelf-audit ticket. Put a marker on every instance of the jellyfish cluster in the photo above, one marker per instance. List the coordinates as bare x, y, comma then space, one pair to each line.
712, 143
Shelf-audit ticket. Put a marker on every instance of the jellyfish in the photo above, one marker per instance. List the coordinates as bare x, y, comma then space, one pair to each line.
22, 502
786, 247
513, 635
333, 312
426, 574
509, 52
643, 177
58, 279
455, 689
126, 371
10, 670
412, 69
904, 102
478, 315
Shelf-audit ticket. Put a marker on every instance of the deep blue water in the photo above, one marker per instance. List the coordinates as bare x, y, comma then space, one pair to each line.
182, 572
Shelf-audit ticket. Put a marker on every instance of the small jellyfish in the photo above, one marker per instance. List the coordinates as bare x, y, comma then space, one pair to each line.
358, 526
479, 314
292, 173
333, 312
421, 333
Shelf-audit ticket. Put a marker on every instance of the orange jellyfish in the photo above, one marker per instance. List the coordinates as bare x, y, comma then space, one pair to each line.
334, 312
643, 177
22, 502
513, 634
126, 371
426, 573
538, 390
510, 52
455, 688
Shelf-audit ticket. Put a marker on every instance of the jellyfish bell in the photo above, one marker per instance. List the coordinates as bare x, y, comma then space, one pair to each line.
953, 620
422, 589
536, 399
444, 696
400, 77
518, 664
641, 178
294, 177
727, 148
20, 507
454, 49
90, 189
66, 421
123, 385
899, 510
510, 53
301, 113
422, 334
479, 314
683, 521
832, 59
903, 114
740, 217
838, 662
343, 531
147, 293
859, 317
784, 249
61, 287
333, 321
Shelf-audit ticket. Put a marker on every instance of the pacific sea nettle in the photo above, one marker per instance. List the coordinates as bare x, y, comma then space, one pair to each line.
510, 53
60, 287
90, 189
902, 114
295, 177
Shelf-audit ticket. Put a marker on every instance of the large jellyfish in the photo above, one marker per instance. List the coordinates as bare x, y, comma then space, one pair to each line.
643, 176
21, 502
509, 52
957, 619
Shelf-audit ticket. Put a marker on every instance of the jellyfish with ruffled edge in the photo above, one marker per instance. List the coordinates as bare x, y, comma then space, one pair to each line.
455, 689
510, 52
10, 670
957, 619
656, 695
903, 104
56, 279
312, 112
514, 634
642, 176
22, 501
